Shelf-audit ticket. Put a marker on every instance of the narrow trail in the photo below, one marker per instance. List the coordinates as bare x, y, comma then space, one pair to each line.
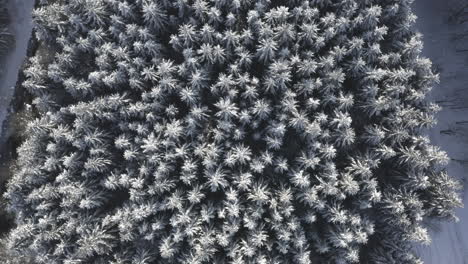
21, 24
449, 240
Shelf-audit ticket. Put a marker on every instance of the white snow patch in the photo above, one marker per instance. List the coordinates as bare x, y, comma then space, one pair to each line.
449, 240
21, 25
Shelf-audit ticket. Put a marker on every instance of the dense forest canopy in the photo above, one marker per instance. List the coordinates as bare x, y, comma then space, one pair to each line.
219, 131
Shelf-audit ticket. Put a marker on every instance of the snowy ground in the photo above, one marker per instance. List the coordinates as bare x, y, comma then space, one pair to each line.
450, 240
20, 11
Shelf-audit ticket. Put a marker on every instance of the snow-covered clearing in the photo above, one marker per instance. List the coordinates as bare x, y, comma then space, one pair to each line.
450, 240
20, 12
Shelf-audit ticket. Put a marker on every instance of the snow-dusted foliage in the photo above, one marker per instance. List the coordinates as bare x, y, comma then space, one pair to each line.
228, 131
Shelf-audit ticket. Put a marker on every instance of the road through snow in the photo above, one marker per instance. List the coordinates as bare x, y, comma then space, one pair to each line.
449, 240
21, 25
